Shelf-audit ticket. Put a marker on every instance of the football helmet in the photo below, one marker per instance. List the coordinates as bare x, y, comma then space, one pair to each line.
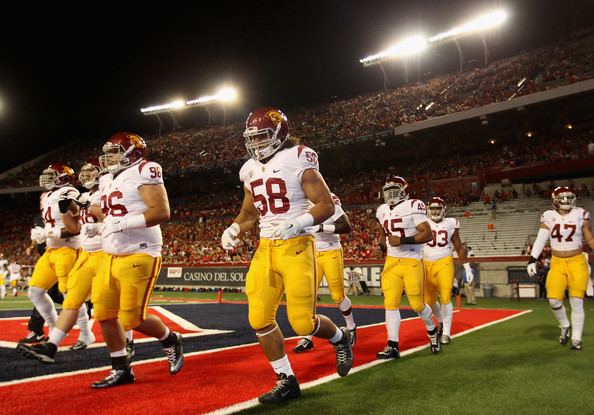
56, 175
436, 208
563, 198
121, 151
89, 174
395, 190
266, 130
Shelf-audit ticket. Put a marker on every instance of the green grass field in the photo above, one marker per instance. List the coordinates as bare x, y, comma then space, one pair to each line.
515, 367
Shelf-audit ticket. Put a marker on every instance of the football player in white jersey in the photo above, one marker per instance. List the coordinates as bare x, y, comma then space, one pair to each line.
404, 229
81, 278
439, 265
3, 275
565, 226
330, 264
60, 217
279, 182
134, 203
15, 276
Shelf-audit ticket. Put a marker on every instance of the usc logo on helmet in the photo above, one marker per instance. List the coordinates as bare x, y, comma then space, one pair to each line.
136, 140
276, 117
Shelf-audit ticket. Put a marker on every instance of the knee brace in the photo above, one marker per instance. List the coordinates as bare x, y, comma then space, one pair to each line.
555, 304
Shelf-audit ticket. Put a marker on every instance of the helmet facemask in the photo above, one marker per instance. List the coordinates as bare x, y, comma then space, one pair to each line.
89, 176
261, 144
49, 179
115, 158
436, 211
394, 193
564, 201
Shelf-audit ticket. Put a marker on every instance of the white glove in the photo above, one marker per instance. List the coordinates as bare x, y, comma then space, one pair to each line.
111, 225
469, 273
93, 229
229, 239
287, 229
532, 270
38, 234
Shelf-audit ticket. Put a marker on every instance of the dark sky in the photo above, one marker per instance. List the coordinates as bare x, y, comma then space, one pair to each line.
75, 73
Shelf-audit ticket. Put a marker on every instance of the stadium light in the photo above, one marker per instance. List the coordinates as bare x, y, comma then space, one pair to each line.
485, 22
412, 45
225, 94
170, 106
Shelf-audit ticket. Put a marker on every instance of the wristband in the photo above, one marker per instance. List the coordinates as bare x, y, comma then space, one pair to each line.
134, 222
327, 228
407, 240
532, 260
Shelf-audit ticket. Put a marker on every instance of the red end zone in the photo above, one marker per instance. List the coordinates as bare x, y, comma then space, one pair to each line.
210, 380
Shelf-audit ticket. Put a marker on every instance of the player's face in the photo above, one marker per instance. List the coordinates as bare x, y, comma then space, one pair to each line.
111, 158
48, 179
436, 213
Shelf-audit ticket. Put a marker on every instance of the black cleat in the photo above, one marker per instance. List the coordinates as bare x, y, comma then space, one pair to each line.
175, 354
286, 388
445, 339
304, 345
565, 335
79, 345
353, 337
576, 345
440, 330
389, 352
33, 338
344, 353
44, 352
130, 348
115, 378
434, 341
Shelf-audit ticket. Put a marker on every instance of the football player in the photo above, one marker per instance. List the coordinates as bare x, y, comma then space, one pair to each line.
60, 233
15, 276
329, 264
81, 278
3, 273
279, 181
439, 265
404, 228
565, 226
133, 203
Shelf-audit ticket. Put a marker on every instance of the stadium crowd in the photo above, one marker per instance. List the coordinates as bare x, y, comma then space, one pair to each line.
193, 150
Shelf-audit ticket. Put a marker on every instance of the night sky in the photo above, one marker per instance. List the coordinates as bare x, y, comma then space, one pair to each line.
64, 78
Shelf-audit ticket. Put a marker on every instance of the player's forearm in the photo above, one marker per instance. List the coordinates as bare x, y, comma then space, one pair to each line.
321, 212
245, 221
71, 225
156, 215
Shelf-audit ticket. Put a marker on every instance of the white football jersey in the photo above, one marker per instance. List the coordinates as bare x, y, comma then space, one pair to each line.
120, 197
565, 230
95, 243
3, 266
441, 244
15, 270
276, 186
329, 241
402, 220
52, 218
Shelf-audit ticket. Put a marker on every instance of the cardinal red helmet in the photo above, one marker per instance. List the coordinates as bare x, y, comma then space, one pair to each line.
89, 174
121, 151
563, 198
56, 175
266, 130
436, 208
395, 190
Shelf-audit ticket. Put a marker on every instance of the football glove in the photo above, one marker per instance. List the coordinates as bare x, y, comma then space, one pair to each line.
111, 225
83, 200
38, 234
287, 229
469, 273
93, 229
230, 237
532, 269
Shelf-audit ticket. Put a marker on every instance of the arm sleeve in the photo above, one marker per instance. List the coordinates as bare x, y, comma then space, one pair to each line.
338, 212
150, 173
306, 159
541, 239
